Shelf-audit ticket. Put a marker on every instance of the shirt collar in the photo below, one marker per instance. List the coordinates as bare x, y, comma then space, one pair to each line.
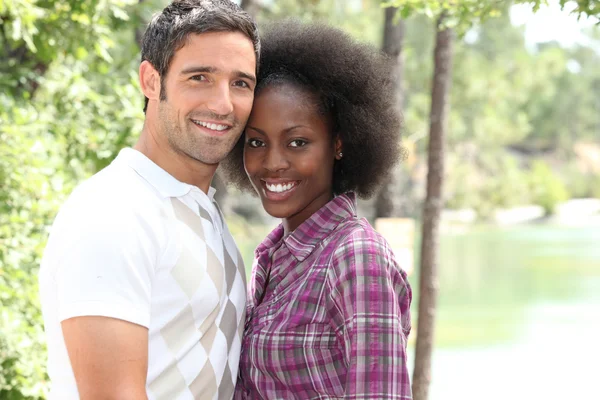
166, 184
303, 241
270, 241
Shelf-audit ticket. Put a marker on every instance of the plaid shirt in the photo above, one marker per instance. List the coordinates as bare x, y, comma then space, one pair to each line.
328, 313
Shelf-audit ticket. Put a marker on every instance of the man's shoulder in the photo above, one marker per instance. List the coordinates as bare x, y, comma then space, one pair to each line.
116, 188
117, 180
114, 200
113, 208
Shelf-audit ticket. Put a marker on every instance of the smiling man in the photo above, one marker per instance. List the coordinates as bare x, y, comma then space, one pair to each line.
142, 286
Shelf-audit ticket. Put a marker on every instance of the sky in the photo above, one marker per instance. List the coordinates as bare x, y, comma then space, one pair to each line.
550, 23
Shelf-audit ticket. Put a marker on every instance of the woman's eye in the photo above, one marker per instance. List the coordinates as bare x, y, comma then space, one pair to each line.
254, 143
298, 143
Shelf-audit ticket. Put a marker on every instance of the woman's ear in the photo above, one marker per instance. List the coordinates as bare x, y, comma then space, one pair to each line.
338, 149
149, 80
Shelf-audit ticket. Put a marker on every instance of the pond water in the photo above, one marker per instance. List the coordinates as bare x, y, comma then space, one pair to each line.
518, 314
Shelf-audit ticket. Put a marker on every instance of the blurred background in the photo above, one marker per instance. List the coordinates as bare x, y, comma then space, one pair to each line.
518, 311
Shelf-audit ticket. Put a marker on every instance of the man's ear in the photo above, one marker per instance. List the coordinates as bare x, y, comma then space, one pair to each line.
149, 80
338, 149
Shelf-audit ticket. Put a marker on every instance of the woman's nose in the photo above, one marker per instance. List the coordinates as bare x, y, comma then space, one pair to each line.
275, 160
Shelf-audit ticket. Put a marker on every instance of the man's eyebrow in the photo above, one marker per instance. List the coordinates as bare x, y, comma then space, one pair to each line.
241, 74
199, 68
213, 70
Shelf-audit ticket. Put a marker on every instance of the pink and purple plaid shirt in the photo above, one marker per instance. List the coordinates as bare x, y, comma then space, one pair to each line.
328, 313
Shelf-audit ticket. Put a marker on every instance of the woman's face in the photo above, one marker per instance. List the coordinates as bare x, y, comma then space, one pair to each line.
289, 153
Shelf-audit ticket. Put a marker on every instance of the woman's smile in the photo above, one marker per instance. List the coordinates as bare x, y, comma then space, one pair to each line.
289, 153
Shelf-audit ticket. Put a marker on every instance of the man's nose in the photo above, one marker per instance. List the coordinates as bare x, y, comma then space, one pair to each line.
220, 102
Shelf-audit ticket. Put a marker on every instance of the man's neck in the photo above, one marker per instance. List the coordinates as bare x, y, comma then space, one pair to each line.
182, 167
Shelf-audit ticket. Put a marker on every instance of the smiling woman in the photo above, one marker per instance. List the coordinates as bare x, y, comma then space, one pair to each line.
351, 87
289, 159
329, 308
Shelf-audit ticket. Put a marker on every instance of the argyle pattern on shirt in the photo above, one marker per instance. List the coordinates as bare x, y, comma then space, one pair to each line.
203, 341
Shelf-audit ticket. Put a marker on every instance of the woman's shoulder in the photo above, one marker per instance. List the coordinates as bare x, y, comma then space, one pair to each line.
360, 255
357, 231
355, 244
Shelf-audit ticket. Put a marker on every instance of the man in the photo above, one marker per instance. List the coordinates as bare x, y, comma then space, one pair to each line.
142, 286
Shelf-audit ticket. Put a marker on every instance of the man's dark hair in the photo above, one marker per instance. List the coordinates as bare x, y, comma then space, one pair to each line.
168, 30
356, 92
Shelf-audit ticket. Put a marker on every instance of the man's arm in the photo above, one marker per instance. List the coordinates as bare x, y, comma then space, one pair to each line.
109, 357
103, 263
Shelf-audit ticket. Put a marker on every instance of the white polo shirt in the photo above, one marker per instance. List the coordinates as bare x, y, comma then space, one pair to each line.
134, 243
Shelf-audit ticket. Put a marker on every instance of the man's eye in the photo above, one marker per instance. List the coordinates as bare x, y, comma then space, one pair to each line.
242, 84
198, 78
298, 143
254, 143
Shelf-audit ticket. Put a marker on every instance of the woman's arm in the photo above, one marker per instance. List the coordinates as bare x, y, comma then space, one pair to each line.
370, 307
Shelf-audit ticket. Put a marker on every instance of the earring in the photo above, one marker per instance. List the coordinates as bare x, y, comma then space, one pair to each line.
340, 154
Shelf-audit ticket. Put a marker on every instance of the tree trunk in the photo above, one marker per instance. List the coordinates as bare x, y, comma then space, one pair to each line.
250, 6
428, 281
386, 204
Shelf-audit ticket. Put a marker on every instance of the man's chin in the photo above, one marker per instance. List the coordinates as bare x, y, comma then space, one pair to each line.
213, 157
212, 161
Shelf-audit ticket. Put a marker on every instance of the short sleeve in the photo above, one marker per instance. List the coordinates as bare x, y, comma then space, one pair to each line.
104, 263
370, 310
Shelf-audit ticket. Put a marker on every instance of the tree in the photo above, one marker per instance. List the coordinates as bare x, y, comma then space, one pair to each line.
432, 208
386, 204
449, 16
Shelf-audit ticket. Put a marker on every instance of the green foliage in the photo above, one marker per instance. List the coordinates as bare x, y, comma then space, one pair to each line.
69, 100
595, 186
460, 15
565, 108
507, 104
578, 7
34, 32
486, 183
547, 190
499, 181
31, 183
580, 184
363, 21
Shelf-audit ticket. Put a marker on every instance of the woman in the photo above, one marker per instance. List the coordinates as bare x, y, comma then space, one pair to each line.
328, 314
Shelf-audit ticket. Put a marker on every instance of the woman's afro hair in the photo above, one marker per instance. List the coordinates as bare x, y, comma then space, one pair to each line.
355, 84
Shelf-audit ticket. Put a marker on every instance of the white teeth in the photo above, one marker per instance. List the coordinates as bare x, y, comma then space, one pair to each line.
278, 188
214, 127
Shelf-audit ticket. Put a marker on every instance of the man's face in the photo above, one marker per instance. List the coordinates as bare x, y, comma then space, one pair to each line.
207, 95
